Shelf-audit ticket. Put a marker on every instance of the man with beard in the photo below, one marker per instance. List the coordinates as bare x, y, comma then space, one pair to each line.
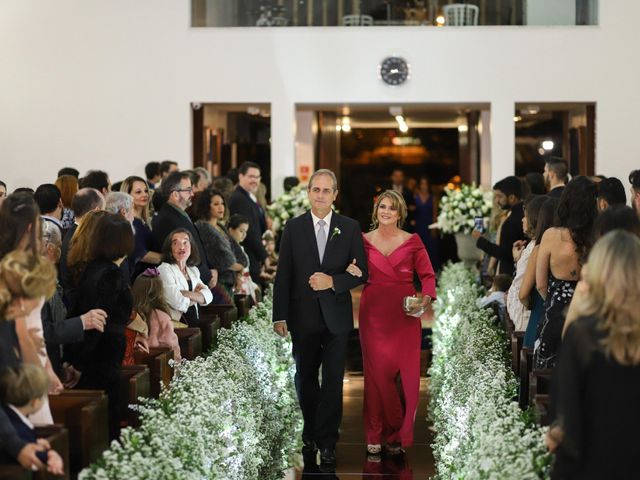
508, 196
555, 175
177, 190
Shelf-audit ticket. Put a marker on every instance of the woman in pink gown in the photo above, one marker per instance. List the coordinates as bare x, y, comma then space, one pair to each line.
389, 337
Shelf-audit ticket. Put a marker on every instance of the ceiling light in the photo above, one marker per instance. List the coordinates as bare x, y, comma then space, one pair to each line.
395, 111
252, 110
338, 128
404, 128
346, 128
399, 118
463, 128
440, 20
517, 118
548, 145
532, 109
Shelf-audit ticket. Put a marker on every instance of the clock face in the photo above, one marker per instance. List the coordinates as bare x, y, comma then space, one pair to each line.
394, 71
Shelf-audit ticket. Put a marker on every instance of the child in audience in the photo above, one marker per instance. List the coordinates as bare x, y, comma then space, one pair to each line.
498, 291
23, 389
149, 303
268, 272
238, 227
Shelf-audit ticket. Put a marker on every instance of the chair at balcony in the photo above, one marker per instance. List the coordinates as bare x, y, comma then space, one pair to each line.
279, 21
460, 14
357, 20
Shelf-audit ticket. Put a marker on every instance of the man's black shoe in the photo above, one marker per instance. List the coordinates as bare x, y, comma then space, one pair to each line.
310, 454
327, 460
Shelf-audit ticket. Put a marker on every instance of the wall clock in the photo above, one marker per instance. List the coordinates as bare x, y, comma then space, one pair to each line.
394, 71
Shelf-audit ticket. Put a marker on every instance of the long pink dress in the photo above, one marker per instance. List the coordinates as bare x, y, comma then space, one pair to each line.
391, 340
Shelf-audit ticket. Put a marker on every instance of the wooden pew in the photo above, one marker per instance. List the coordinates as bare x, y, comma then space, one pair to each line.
190, 342
541, 409
228, 314
526, 367
539, 383
85, 415
158, 362
58, 437
517, 339
209, 326
135, 383
243, 304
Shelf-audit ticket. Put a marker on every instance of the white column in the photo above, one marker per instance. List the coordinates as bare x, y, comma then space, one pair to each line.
485, 148
282, 144
503, 140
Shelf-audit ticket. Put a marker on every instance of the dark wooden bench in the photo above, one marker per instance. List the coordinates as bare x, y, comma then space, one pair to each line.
228, 314
58, 438
190, 340
157, 360
85, 415
541, 409
209, 327
539, 383
243, 304
517, 339
525, 369
135, 383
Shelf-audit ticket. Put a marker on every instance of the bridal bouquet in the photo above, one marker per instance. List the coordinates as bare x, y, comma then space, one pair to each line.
460, 207
288, 205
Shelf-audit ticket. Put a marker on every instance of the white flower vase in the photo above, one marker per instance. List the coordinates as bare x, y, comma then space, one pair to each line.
467, 250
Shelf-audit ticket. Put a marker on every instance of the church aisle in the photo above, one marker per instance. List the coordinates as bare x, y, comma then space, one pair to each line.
351, 450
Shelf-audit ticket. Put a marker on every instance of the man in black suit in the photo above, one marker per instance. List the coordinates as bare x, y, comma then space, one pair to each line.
397, 184
556, 172
243, 201
508, 195
312, 299
177, 190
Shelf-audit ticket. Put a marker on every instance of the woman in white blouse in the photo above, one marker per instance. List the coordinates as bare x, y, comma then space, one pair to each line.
184, 292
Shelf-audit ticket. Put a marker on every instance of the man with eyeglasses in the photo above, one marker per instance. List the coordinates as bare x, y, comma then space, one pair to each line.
177, 190
244, 202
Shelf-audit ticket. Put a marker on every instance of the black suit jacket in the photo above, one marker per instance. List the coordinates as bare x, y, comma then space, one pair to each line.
556, 192
511, 232
23, 432
241, 203
63, 270
305, 310
165, 222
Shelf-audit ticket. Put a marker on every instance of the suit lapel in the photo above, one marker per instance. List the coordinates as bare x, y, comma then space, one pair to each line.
310, 233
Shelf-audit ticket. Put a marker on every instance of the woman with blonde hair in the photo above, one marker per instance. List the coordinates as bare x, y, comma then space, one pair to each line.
596, 388
68, 186
138, 188
390, 336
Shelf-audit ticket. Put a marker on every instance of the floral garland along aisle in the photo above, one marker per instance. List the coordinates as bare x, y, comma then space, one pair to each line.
231, 415
481, 431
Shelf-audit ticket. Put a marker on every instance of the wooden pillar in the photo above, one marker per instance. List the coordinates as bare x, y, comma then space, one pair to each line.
198, 136
328, 143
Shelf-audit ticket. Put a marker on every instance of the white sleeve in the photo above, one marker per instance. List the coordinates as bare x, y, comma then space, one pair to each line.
172, 289
206, 292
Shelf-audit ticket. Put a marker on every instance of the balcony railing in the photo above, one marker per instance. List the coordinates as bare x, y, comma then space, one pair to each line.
413, 13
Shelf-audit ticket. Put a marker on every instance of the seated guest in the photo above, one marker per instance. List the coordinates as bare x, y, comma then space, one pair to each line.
184, 292
611, 192
49, 200
596, 383
101, 284
149, 303
24, 279
210, 213
518, 313
178, 192
23, 390
238, 227
142, 256
57, 328
68, 185
270, 266
497, 293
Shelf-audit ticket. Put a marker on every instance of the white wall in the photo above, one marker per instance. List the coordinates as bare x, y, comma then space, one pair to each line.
108, 84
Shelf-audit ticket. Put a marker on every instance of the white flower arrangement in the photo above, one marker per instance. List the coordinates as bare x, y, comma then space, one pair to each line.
287, 206
231, 415
460, 207
481, 431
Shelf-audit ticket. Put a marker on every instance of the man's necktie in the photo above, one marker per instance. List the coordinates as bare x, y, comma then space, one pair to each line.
321, 238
